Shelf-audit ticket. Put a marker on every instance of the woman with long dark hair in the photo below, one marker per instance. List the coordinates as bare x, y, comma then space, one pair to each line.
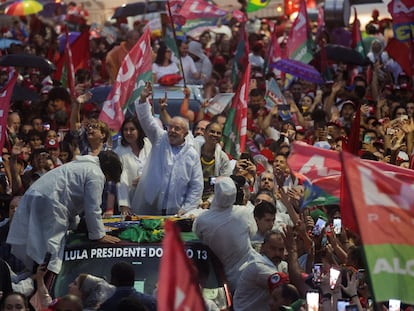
163, 64
133, 153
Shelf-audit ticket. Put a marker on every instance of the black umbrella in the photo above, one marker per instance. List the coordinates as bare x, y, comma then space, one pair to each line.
27, 60
21, 93
340, 53
139, 8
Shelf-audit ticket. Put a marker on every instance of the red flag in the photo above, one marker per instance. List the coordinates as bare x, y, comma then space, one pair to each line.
275, 50
135, 71
352, 144
5, 97
235, 128
80, 55
384, 210
399, 51
357, 43
178, 285
323, 168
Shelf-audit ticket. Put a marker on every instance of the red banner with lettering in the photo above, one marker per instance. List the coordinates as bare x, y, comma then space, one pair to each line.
323, 168
383, 206
134, 72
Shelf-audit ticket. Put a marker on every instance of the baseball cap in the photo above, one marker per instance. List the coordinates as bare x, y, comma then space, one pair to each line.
52, 144
277, 279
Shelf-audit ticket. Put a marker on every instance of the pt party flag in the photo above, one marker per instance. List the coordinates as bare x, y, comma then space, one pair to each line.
135, 71
384, 211
178, 285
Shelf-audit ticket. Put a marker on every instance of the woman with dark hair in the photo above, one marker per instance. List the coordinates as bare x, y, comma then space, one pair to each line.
66, 152
133, 153
14, 301
163, 65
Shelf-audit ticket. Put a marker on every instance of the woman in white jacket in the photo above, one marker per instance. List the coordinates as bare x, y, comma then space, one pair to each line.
133, 153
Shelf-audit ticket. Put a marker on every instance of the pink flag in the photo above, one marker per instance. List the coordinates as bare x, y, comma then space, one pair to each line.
193, 9
300, 41
5, 96
134, 72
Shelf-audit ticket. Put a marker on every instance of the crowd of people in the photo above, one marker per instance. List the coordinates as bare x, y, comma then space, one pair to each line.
59, 163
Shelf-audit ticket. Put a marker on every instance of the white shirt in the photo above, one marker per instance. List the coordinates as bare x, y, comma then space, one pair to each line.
160, 71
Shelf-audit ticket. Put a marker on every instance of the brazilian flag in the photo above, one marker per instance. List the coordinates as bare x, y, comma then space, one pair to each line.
255, 5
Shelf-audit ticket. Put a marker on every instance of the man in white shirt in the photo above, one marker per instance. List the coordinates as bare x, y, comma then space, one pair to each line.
188, 69
252, 291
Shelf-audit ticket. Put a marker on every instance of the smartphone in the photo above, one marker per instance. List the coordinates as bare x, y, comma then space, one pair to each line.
244, 155
394, 305
47, 258
351, 308
341, 304
212, 181
333, 276
283, 107
312, 300
319, 226
404, 117
361, 276
317, 273
367, 139
337, 225
390, 131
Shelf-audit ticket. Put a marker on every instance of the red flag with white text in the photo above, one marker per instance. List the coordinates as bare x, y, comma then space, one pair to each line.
178, 285
384, 211
5, 97
135, 71
323, 168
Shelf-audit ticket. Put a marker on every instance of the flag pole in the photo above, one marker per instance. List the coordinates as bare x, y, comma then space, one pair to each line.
175, 39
